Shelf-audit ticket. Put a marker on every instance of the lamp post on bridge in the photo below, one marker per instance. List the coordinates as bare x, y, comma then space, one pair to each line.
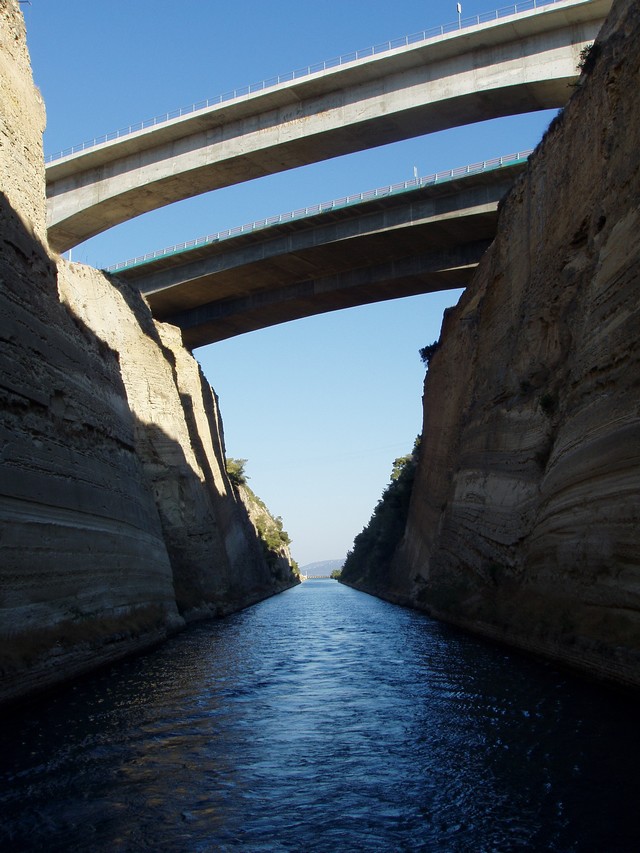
459, 11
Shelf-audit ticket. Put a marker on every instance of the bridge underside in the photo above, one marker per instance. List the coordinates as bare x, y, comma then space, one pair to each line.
428, 239
514, 65
410, 276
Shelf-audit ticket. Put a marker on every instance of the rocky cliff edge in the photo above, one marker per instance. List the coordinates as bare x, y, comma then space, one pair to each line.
525, 515
117, 519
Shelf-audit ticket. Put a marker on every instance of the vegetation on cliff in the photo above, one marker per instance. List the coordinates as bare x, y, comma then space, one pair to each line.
427, 353
369, 561
523, 523
236, 472
274, 538
118, 523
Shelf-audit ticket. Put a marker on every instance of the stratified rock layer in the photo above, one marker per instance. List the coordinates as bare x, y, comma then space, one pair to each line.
525, 517
217, 561
117, 519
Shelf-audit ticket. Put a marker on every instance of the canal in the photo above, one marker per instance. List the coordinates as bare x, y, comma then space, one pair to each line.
323, 720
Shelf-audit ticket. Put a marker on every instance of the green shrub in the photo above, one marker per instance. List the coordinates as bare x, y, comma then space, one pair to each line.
374, 547
236, 472
427, 353
588, 56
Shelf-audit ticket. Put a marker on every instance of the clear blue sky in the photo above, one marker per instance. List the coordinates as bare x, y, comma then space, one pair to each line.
319, 407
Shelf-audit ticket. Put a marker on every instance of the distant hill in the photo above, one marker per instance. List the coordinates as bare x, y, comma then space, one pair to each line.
323, 567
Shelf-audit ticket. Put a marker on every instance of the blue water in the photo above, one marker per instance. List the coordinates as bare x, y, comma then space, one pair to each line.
323, 720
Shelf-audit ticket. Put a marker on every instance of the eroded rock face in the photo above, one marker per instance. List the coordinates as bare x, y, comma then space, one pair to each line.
274, 540
22, 123
218, 564
84, 572
117, 519
525, 517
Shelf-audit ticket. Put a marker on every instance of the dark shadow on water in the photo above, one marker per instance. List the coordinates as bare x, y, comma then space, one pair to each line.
323, 719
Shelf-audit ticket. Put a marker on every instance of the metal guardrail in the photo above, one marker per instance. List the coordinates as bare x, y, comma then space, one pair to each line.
425, 35
323, 207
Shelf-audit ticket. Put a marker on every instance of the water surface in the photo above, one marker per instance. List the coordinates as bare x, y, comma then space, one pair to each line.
323, 720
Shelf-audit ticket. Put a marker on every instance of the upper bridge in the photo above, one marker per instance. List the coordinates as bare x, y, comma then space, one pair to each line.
417, 237
508, 65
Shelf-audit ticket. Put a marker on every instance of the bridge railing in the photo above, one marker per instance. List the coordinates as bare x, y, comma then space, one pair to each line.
424, 35
325, 206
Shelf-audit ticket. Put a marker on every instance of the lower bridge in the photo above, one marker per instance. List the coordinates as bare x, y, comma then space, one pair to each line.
419, 237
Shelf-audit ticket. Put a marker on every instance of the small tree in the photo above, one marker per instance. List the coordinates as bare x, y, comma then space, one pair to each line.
588, 57
427, 353
236, 472
374, 547
399, 465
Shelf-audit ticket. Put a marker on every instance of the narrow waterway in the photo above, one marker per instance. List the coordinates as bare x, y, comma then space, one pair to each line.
323, 720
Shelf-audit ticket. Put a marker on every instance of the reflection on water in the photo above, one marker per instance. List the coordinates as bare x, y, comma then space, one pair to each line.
323, 720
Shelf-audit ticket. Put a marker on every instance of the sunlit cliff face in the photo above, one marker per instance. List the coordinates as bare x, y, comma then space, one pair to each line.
524, 515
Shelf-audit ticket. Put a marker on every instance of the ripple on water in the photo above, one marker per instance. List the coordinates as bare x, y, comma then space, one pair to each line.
322, 719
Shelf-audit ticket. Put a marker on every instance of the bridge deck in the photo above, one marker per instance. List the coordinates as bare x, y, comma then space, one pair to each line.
424, 239
517, 64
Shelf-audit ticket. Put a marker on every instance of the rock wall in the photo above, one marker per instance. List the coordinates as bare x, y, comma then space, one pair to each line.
217, 560
273, 538
117, 519
524, 523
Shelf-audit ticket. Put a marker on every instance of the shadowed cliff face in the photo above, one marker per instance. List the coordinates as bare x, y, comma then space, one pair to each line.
525, 512
117, 519
217, 561
84, 571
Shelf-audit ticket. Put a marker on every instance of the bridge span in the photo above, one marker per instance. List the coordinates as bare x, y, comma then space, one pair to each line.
418, 237
516, 64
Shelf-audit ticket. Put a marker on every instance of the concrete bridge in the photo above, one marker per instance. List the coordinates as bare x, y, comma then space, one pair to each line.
417, 237
509, 65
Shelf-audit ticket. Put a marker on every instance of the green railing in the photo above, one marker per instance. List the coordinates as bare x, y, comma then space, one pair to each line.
323, 207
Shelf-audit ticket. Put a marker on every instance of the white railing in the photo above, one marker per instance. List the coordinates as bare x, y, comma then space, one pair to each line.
323, 207
425, 35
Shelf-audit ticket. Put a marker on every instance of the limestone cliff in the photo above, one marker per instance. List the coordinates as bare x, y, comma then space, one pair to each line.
274, 539
524, 522
117, 519
217, 560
